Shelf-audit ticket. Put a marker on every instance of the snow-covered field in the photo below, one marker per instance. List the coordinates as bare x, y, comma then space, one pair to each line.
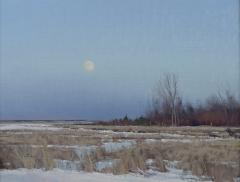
57, 175
70, 145
27, 126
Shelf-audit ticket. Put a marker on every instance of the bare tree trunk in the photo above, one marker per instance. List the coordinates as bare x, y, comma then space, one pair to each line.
167, 97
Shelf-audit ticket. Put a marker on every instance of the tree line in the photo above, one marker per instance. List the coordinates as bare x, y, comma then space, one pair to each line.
168, 109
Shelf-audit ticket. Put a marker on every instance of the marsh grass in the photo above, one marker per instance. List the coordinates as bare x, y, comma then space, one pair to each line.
201, 158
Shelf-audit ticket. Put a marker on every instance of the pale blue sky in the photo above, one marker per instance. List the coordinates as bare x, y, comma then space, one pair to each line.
45, 43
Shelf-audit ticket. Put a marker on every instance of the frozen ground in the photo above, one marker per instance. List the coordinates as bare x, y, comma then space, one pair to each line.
57, 175
69, 145
27, 126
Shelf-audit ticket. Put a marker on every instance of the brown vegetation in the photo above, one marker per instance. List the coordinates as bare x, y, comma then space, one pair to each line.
216, 158
168, 109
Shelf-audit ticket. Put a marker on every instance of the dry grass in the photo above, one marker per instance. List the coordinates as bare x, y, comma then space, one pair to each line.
58, 138
26, 157
33, 151
153, 129
202, 158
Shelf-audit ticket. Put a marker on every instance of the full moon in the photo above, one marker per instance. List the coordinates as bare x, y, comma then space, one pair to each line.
89, 66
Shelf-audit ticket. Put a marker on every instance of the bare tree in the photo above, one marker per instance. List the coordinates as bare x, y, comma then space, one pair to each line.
225, 102
166, 98
230, 105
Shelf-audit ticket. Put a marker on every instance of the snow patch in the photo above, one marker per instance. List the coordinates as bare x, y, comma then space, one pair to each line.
37, 175
68, 165
100, 165
25, 126
116, 146
81, 152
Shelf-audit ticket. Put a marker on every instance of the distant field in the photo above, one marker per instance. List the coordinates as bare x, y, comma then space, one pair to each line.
132, 152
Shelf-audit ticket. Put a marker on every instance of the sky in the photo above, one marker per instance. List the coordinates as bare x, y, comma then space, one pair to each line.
129, 45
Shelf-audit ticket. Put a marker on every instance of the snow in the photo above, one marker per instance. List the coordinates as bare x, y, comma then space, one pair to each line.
58, 175
68, 165
116, 146
123, 133
81, 152
236, 179
192, 140
135, 134
177, 140
27, 126
63, 146
100, 165
150, 140
150, 162
19, 132
172, 135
